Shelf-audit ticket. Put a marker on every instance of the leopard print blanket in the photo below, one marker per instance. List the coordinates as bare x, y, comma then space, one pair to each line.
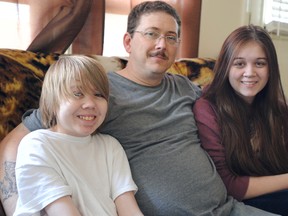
22, 73
21, 76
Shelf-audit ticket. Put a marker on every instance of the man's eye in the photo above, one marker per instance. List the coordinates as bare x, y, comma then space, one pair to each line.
151, 34
171, 38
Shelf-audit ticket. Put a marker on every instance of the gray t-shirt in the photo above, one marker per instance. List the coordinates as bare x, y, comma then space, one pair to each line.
156, 127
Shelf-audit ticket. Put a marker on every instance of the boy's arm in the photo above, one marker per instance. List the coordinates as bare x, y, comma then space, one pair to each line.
63, 206
126, 205
8, 153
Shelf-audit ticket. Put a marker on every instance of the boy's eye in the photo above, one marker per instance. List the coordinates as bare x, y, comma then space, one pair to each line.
98, 94
77, 94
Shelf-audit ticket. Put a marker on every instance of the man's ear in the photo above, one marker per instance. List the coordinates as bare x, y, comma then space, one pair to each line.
127, 42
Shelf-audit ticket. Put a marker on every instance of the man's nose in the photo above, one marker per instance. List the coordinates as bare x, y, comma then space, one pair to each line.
161, 41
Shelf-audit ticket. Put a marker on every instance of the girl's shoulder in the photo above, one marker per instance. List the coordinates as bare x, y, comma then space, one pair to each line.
203, 103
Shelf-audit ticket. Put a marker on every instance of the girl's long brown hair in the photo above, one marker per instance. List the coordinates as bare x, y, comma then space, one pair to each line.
267, 116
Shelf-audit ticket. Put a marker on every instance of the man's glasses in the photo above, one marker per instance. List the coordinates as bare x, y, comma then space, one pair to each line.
156, 36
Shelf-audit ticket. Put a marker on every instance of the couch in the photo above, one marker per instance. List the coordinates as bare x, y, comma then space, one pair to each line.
22, 73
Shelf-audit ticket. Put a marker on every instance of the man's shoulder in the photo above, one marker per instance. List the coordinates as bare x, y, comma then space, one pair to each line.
183, 82
179, 78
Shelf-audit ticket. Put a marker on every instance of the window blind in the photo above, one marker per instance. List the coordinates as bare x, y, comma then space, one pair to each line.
276, 16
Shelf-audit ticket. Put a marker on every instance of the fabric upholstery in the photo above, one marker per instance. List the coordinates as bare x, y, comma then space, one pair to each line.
22, 73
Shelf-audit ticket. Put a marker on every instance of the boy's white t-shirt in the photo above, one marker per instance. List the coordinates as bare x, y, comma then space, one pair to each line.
93, 170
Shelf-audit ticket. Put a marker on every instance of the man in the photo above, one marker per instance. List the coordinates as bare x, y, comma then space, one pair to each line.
150, 113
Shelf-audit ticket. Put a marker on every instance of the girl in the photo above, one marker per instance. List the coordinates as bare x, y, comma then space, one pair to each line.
243, 121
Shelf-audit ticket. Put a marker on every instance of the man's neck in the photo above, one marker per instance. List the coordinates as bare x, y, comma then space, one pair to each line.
141, 80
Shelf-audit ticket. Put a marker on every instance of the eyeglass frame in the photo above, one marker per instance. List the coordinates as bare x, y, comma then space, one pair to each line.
166, 37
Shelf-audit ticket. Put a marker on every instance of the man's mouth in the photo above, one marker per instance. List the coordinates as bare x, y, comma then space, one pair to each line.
159, 54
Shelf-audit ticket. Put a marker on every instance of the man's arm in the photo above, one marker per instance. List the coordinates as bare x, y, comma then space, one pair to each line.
8, 153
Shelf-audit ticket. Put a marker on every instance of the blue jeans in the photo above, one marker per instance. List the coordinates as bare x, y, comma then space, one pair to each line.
275, 202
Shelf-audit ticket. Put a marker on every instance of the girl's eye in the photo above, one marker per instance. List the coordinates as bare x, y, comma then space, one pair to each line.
239, 64
261, 64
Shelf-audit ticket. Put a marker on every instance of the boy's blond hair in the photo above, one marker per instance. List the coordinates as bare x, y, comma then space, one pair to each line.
57, 83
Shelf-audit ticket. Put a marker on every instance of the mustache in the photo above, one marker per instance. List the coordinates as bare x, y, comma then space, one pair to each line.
159, 53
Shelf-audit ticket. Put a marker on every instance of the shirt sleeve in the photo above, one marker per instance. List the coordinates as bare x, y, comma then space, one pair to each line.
32, 119
39, 181
210, 136
122, 180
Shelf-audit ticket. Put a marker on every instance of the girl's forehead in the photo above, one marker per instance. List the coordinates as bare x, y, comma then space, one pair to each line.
250, 49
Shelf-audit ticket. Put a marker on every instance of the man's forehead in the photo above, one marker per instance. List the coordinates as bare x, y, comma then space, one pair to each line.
158, 20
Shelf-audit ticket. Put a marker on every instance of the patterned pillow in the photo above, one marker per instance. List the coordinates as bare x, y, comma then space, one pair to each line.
22, 73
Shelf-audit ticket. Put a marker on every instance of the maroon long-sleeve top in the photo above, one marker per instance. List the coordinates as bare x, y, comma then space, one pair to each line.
210, 136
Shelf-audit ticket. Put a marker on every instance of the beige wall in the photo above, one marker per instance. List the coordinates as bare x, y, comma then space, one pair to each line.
219, 18
282, 51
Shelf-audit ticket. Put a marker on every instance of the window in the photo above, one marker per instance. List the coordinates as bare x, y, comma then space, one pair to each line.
276, 16
15, 31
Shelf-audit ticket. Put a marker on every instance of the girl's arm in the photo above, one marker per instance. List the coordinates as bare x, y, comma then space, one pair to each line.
63, 206
127, 206
266, 184
240, 187
210, 137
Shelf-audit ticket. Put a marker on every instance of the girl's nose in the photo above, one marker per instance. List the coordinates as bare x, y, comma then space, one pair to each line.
249, 71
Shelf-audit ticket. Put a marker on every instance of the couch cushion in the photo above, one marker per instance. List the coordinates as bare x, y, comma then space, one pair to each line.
22, 73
